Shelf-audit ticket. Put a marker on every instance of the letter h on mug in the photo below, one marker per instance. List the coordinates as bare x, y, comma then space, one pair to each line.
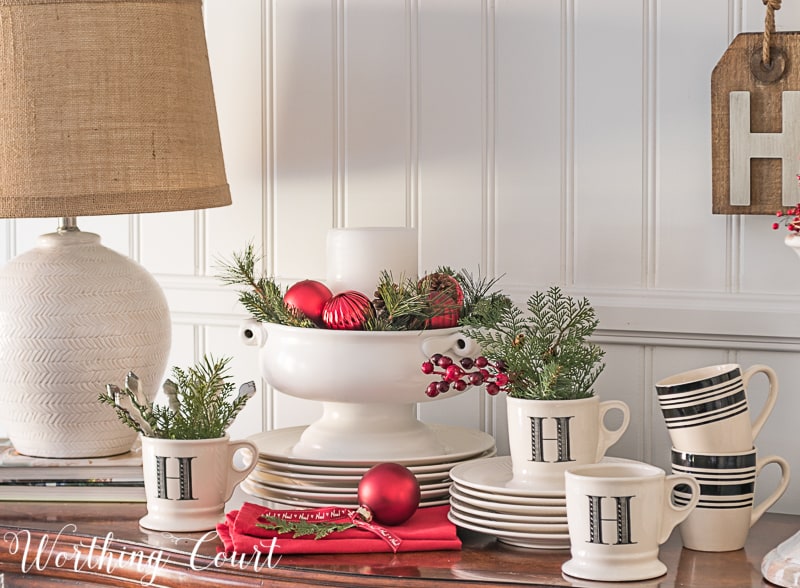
561, 439
621, 519
183, 477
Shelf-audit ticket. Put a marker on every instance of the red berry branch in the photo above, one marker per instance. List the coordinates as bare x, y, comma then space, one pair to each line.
789, 218
468, 372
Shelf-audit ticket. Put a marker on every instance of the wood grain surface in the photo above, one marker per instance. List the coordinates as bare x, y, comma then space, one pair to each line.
189, 562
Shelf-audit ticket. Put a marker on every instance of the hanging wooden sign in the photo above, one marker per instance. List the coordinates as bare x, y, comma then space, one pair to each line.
755, 125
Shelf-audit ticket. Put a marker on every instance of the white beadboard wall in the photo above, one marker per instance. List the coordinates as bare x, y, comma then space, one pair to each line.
545, 141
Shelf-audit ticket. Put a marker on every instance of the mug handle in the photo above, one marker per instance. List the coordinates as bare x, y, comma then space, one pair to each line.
777, 493
607, 436
236, 475
674, 515
772, 395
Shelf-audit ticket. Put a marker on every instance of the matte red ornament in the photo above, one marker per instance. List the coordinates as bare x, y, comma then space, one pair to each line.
447, 297
347, 310
308, 297
391, 492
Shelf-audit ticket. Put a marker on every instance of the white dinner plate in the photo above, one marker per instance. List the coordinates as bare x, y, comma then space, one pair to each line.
348, 496
292, 485
526, 540
442, 468
497, 525
334, 478
492, 474
508, 507
296, 501
485, 512
523, 500
459, 444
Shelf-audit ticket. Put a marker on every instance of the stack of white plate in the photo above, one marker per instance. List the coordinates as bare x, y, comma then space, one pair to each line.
481, 501
298, 482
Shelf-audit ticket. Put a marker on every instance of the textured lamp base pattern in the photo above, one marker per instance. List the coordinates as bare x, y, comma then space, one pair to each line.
75, 316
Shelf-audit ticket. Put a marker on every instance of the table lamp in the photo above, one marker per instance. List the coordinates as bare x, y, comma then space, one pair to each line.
106, 107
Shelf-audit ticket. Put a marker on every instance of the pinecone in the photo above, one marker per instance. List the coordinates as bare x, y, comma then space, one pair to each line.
441, 282
446, 297
381, 312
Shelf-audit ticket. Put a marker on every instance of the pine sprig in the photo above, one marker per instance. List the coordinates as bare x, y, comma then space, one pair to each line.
546, 352
404, 305
202, 403
301, 528
481, 303
263, 297
123, 414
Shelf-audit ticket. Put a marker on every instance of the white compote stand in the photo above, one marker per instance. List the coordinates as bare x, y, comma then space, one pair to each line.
369, 384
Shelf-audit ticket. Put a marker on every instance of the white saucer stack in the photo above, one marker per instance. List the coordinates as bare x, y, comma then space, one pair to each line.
297, 482
481, 501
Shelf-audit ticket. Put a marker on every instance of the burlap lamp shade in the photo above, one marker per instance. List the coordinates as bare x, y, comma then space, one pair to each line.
106, 107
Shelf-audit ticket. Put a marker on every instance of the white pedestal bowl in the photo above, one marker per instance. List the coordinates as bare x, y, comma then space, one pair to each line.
369, 383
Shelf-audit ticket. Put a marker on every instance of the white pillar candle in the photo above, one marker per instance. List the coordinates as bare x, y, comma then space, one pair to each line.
356, 257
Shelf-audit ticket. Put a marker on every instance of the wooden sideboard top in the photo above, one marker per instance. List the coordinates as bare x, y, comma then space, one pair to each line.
63, 533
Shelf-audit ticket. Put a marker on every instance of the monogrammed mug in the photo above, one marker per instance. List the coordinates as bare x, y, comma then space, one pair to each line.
723, 517
187, 482
706, 409
618, 515
548, 436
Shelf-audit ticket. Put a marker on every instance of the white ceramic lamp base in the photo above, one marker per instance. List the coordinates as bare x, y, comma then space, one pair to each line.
75, 316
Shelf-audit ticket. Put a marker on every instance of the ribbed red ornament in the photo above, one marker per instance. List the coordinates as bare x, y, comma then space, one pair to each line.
347, 311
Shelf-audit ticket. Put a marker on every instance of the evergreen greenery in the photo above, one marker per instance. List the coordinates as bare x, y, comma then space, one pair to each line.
300, 528
263, 298
546, 351
201, 403
400, 305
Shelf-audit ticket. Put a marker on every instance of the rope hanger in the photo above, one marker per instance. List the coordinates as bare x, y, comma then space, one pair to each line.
769, 28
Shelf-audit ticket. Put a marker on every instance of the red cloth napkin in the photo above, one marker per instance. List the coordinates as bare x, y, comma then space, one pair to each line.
428, 530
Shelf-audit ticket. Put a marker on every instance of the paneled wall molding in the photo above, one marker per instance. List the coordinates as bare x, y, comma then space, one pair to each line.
693, 315
202, 300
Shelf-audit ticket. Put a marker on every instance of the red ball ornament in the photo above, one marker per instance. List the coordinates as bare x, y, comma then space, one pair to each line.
446, 297
391, 492
347, 310
308, 297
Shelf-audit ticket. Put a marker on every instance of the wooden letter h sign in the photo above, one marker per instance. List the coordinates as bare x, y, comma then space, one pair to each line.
755, 126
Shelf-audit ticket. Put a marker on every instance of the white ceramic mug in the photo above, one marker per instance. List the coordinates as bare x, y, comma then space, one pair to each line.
723, 517
187, 482
618, 515
548, 436
706, 409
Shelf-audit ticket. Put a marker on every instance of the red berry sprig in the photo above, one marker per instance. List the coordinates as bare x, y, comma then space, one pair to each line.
468, 372
789, 218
